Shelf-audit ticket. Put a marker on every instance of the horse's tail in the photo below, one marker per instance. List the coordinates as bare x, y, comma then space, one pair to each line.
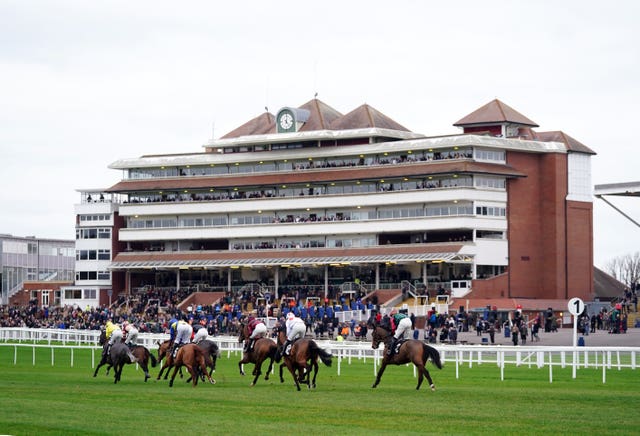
433, 354
320, 352
154, 362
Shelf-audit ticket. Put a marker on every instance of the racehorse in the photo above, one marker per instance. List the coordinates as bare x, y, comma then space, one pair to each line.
119, 356
411, 350
263, 349
210, 349
302, 358
141, 354
193, 357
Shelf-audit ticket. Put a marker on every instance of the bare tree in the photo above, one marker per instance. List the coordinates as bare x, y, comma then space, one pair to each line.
625, 269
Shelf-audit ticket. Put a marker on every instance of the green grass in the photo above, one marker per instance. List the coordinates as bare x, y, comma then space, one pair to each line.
60, 399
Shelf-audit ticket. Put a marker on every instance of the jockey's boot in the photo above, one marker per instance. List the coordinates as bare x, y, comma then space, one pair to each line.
246, 346
174, 350
250, 347
392, 348
285, 347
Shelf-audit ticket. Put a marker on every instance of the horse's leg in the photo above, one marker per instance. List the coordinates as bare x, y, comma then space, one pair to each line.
266, 377
102, 362
428, 376
175, 371
315, 373
281, 377
240, 363
421, 368
257, 371
214, 358
117, 372
194, 375
145, 368
383, 365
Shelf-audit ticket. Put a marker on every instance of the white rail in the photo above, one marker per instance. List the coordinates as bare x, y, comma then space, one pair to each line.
603, 358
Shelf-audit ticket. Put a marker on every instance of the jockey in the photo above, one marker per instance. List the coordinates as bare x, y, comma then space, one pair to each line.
257, 330
132, 334
200, 330
114, 333
183, 334
295, 330
173, 323
400, 323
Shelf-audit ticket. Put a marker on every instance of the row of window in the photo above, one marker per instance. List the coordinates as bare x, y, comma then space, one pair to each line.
359, 187
453, 209
96, 217
93, 254
79, 294
35, 248
318, 242
310, 163
98, 233
93, 275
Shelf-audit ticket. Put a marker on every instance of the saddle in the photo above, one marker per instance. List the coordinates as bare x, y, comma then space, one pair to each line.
398, 345
287, 351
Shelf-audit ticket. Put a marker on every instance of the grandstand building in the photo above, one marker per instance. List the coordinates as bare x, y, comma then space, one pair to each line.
34, 269
313, 198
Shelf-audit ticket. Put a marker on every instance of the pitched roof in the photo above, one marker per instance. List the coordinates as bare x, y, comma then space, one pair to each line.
559, 136
321, 115
365, 116
605, 286
262, 124
495, 112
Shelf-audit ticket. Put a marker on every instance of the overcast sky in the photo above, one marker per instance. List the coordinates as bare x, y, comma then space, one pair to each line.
85, 83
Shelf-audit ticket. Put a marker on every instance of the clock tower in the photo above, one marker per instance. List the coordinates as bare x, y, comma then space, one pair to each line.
289, 120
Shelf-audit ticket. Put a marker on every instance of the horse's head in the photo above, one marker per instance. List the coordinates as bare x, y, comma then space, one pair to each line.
281, 331
103, 337
163, 349
378, 335
244, 334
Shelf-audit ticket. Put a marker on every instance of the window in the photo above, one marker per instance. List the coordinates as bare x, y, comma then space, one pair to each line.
73, 294
89, 294
104, 254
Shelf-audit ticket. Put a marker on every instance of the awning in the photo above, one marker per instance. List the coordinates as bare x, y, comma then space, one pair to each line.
289, 261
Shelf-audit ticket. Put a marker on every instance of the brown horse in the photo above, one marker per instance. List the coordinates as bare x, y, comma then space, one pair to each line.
164, 349
210, 349
302, 358
142, 355
193, 358
412, 350
263, 349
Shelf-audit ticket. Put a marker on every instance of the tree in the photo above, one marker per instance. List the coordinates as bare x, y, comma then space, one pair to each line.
625, 269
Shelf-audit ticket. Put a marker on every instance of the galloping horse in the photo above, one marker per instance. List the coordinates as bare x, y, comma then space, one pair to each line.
119, 356
209, 348
193, 357
412, 350
263, 348
302, 358
141, 354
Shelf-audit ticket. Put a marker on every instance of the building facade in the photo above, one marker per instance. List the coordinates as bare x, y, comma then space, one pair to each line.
310, 198
31, 259
97, 224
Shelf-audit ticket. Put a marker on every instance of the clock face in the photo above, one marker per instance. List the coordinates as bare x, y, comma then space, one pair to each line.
286, 121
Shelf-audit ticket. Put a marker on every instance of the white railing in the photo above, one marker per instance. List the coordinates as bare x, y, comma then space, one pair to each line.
599, 358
